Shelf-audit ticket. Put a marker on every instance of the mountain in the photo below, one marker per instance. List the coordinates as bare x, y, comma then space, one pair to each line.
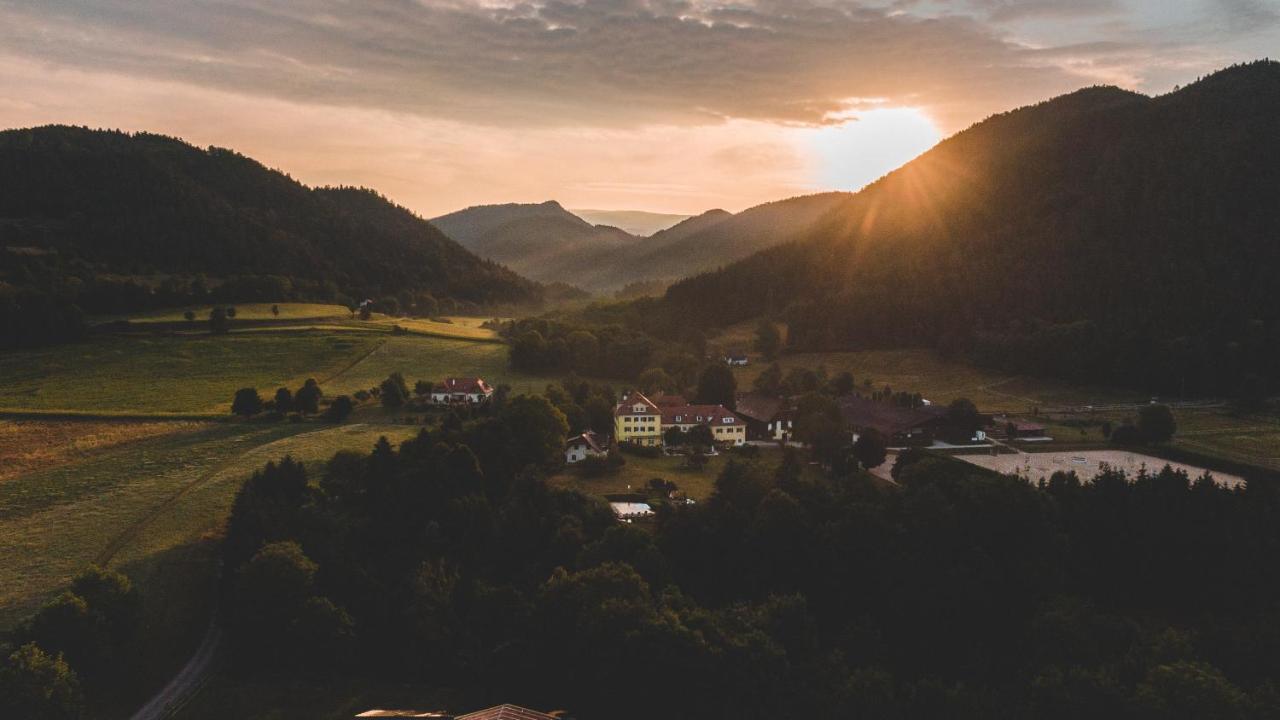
543, 241
1101, 236
548, 243
93, 204
635, 222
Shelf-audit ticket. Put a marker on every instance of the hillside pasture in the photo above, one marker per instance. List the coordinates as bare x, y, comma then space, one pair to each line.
433, 359
119, 375
153, 509
247, 311
30, 445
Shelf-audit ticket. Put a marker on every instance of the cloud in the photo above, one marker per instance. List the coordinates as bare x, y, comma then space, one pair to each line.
557, 62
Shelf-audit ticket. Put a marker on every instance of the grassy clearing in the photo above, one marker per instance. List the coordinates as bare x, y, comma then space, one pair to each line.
636, 474
248, 311
942, 381
432, 359
169, 374
154, 509
30, 445
452, 329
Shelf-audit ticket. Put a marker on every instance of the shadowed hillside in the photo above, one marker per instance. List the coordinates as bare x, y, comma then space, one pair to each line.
1102, 235
83, 210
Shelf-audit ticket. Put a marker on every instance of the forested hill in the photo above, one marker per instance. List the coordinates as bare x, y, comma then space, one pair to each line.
1102, 235
543, 240
94, 203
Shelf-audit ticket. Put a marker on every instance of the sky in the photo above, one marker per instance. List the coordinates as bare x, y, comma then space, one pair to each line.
662, 105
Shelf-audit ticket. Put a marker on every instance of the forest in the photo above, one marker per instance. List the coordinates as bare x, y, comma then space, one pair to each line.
959, 593
1102, 236
117, 222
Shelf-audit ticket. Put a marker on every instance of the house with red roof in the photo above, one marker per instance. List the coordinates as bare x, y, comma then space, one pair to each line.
726, 427
637, 420
461, 391
581, 447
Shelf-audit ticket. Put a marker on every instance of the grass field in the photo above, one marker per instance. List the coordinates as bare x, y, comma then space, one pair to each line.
169, 374
1250, 439
112, 374
152, 507
30, 445
942, 381
432, 359
248, 311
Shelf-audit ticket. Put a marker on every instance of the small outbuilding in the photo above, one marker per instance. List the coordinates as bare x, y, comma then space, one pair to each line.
581, 447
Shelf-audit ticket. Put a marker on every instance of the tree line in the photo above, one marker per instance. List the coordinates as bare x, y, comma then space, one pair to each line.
958, 593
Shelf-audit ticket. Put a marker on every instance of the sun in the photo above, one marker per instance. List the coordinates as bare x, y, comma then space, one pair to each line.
850, 155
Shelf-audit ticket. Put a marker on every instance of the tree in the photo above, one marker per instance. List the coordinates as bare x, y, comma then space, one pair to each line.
1190, 691
284, 400
697, 459
218, 322
275, 311
869, 449
673, 436
769, 381
700, 436
1156, 423
247, 402
307, 399
535, 431
768, 339
190, 316
422, 388
820, 426
655, 380
231, 311
962, 420
394, 391
37, 686
843, 384
717, 386
339, 409
599, 414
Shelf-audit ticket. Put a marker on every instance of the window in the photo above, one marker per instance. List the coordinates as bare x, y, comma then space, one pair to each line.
679, 418
699, 418
727, 421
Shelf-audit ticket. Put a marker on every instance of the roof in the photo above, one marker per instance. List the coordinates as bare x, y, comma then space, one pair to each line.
378, 712
588, 438
463, 385
506, 712
888, 418
1020, 425
663, 400
689, 414
630, 400
758, 406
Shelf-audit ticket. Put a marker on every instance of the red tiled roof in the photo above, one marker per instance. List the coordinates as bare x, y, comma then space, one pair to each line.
506, 712
463, 385
758, 406
588, 438
631, 399
888, 418
663, 400
689, 414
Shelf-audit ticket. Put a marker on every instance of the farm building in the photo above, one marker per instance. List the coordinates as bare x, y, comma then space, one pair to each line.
1014, 429
461, 391
736, 359
901, 426
768, 417
581, 447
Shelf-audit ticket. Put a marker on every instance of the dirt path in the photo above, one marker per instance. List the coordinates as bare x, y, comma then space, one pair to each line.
187, 682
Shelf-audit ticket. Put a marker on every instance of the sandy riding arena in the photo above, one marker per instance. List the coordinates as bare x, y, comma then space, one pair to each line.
1086, 464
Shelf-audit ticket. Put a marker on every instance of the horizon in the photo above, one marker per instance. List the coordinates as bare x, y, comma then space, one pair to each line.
629, 106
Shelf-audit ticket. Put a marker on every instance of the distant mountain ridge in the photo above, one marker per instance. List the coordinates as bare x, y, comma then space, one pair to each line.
634, 222
548, 243
98, 203
1102, 235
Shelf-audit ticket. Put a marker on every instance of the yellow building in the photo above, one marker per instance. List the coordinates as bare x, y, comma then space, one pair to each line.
640, 421
637, 420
